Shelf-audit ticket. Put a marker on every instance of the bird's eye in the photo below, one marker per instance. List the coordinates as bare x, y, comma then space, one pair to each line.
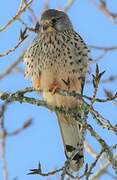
54, 21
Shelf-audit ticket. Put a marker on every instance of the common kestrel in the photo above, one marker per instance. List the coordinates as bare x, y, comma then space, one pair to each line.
58, 59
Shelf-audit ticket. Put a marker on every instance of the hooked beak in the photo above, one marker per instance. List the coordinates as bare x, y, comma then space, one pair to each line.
37, 27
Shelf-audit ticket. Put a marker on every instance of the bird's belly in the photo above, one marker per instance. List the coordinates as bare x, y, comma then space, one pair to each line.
59, 78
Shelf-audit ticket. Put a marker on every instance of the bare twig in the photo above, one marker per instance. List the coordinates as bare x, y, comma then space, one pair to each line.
96, 160
26, 26
22, 37
33, 16
96, 81
68, 5
45, 5
11, 68
102, 48
94, 163
19, 12
109, 79
38, 171
100, 57
89, 149
4, 134
3, 141
22, 128
103, 7
102, 170
3, 154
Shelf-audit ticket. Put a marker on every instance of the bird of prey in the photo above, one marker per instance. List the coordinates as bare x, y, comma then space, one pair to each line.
57, 60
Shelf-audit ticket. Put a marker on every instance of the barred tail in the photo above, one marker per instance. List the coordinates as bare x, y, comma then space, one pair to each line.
72, 136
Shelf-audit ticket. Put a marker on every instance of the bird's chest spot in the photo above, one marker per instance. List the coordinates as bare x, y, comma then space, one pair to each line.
52, 54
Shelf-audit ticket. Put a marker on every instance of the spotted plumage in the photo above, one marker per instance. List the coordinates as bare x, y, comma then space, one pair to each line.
58, 59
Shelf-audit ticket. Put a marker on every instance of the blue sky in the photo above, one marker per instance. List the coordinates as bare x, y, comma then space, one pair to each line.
42, 141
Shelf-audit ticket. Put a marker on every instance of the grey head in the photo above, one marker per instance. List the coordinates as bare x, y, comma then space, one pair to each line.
53, 19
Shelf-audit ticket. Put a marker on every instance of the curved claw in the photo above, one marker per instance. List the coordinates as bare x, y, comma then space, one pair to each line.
54, 87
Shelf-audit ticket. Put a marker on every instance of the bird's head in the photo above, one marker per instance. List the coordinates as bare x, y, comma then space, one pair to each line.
54, 20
